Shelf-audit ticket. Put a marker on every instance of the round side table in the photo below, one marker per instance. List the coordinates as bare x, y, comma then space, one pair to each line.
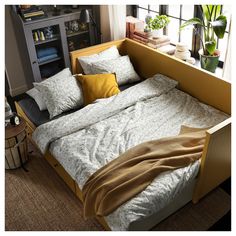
16, 151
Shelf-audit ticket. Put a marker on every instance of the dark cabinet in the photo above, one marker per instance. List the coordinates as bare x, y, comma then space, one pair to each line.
49, 40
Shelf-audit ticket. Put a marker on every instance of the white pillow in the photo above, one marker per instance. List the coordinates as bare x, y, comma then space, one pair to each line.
86, 61
61, 92
36, 95
121, 66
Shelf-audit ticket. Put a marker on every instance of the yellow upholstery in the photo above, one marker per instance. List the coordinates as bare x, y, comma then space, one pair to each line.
98, 86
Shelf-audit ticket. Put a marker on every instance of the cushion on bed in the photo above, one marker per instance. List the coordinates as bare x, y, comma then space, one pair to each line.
36, 95
61, 93
121, 66
32, 111
86, 61
98, 86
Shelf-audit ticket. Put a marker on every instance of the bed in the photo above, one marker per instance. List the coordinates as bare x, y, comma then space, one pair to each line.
216, 154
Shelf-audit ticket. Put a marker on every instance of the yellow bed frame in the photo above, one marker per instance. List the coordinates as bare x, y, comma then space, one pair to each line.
216, 158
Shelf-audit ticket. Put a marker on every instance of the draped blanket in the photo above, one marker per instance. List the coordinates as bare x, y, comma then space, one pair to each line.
134, 170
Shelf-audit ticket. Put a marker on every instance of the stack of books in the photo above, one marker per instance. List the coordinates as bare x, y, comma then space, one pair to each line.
158, 42
133, 24
32, 13
141, 36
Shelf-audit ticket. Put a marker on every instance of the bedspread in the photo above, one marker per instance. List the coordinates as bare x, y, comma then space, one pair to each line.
131, 172
96, 112
88, 139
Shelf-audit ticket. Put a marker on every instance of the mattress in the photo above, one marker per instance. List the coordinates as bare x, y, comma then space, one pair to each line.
151, 117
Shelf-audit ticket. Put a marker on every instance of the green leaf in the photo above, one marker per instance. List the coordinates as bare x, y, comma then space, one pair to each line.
219, 26
193, 21
210, 47
206, 11
217, 11
210, 12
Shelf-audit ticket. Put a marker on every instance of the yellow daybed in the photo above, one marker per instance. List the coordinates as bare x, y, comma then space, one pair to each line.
209, 89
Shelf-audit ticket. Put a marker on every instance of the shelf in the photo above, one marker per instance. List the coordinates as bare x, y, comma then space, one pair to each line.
47, 40
77, 33
49, 61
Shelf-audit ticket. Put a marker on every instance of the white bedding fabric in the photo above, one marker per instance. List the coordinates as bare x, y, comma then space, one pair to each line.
88, 139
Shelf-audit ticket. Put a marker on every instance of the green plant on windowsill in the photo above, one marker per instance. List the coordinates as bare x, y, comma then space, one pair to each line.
213, 24
157, 23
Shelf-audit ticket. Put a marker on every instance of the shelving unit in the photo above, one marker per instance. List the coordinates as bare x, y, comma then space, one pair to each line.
68, 34
77, 33
49, 61
56, 37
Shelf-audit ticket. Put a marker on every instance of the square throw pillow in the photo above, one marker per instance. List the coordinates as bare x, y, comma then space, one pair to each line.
98, 86
61, 93
36, 95
121, 66
86, 61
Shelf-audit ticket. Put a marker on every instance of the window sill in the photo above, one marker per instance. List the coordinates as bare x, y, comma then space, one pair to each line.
218, 72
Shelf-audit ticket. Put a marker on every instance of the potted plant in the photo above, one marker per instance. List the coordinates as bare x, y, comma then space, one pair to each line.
213, 24
157, 24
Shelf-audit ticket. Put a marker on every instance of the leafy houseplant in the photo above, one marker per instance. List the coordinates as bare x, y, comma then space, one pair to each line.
213, 24
157, 23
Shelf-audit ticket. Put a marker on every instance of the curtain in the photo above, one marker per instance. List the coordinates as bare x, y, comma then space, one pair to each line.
113, 22
227, 62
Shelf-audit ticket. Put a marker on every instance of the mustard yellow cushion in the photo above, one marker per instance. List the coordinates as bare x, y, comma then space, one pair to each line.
98, 86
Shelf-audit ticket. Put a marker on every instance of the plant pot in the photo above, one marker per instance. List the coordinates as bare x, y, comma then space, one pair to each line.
157, 33
209, 63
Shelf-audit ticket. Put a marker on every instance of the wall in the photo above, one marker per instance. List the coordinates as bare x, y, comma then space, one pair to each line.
105, 26
13, 64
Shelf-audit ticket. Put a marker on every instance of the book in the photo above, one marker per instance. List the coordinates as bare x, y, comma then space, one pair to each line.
158, 45
133, 24
34, 17
32, 13
162, 39
140, 41
140, 38
143, 34
36, 13
32, 8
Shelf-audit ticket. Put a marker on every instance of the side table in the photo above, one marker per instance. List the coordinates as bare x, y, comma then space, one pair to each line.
16, 150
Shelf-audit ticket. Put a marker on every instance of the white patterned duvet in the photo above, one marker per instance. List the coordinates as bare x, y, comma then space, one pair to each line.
86, 140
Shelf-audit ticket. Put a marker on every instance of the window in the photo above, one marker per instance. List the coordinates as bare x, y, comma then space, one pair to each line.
143, 10
178, 14
222, 43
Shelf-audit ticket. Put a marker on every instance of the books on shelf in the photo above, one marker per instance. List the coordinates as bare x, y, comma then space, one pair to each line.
162, 43
143, 34
144, 40
156, 41
133, 24
32, 13
155, 46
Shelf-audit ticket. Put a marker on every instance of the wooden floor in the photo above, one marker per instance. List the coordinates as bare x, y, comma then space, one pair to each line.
40, 200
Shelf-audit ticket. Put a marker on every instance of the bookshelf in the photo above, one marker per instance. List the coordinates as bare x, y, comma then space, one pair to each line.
47, 53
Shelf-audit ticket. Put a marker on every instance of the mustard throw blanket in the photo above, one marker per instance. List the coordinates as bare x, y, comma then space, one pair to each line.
135, 169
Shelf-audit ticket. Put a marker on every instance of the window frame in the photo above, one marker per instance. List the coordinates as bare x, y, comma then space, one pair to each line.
196, 44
